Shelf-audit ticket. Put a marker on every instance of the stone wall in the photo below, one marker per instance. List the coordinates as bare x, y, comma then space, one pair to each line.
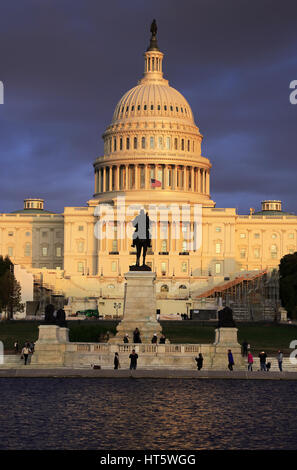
54, 349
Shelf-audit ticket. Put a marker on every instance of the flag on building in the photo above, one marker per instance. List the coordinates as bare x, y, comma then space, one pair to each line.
155, 183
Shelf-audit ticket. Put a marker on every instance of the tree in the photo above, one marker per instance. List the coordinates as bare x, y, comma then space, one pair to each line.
10, 289
288, 283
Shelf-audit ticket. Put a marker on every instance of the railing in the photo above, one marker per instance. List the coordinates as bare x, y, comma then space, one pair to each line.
156, 349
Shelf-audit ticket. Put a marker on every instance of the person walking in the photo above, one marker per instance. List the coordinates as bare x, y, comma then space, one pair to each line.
230, 360
154, 339
16, 346
250, 360
25, 353
133, 360
263, 357
126, 338
199, 361
116, 361
280, 357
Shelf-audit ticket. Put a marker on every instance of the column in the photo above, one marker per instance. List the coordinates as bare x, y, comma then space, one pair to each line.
184, 177
146, 169
176, 177
202, 181
126, 183
208, 182
110, 178
198, 180
104, 179
118, 177
137, 182
192, 178
173, 176
166, 174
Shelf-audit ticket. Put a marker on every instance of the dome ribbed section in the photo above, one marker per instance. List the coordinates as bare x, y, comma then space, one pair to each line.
155, 100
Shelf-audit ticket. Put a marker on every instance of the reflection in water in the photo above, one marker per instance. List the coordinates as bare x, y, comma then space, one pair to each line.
147, 414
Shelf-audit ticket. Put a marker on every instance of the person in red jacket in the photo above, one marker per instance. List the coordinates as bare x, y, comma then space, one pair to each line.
250, 360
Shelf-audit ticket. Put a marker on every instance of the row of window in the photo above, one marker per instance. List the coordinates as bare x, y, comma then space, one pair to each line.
151, 107
43, 234
164, 246
161, 143
28, 251
257, 252
274, 235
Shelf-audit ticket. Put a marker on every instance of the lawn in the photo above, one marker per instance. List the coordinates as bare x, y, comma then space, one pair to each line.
265, 336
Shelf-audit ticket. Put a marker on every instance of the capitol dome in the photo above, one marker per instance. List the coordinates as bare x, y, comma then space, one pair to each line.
153, 142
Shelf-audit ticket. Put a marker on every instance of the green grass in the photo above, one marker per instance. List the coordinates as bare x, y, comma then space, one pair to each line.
188, 332
269, 337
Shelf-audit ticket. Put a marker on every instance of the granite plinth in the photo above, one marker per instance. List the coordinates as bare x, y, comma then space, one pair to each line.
139, 307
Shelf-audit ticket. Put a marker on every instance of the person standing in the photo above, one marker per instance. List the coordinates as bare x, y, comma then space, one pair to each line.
162, 339
16, 346
25, 353
280, 357
199, 361
230, 360
136, 336
154, 338
126, 338
250, 360
263, 357
116, 361
133, 360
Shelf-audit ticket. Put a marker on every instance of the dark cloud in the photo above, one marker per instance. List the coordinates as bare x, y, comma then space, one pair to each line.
66, 63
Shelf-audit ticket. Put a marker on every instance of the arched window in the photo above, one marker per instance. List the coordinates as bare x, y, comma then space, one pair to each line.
127, 143
164, 288
183, 144
143, 142
121, 143
175, 144
135, 142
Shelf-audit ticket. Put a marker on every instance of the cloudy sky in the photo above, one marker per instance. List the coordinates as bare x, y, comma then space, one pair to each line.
66, 63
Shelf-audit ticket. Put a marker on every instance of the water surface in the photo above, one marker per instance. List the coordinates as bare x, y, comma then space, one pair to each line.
144, 414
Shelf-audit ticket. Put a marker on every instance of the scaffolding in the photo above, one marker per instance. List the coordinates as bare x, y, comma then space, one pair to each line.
252, 296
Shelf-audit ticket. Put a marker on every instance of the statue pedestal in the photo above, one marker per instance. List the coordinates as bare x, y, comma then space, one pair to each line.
139, 308
226, 338
51, 345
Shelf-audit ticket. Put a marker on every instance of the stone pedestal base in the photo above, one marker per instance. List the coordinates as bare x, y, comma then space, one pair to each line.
51, 345
139, 308
226, 338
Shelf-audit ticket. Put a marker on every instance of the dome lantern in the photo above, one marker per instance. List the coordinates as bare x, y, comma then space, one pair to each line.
153, 58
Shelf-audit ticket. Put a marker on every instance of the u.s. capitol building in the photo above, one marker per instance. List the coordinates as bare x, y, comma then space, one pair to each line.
152, 157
